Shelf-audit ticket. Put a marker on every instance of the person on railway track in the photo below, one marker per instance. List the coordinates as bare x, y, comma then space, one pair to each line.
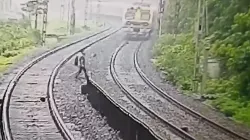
80, 62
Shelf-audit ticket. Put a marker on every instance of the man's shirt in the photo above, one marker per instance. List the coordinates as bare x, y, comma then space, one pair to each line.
82, 61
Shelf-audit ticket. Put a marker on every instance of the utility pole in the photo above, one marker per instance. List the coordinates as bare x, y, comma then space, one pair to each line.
161, 10
68, 17
177, 10
206, 49
1, 5
45, 20
90, 10
160, 24
35, 4
206, 12
197, 50
36, 14
98, 12
86, 12
72, 19
62, 10
10, 4
4, 5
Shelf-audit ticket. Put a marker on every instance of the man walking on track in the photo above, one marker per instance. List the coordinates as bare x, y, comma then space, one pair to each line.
80, 62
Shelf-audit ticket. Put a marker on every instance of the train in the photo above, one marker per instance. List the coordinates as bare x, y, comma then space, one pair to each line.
138, 19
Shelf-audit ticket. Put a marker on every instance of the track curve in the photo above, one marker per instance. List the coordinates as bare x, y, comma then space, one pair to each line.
127, 76
24, 116
52, 78
174, 129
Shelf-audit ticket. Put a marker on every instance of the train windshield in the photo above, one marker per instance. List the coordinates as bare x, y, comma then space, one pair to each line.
141, 4
132, 14
145, 14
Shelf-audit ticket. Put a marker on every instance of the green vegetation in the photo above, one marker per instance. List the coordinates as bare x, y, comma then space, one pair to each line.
171, 52
15, 41
229, 33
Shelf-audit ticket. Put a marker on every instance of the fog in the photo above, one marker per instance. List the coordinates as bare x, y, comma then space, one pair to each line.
107, 7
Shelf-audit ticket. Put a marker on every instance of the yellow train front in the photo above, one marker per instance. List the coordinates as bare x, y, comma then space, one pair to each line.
138, 21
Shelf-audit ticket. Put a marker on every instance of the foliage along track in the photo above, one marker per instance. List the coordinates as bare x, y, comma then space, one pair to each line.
25, 114
179, 104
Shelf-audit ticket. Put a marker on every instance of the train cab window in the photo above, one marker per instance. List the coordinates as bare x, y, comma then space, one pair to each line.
130, 14
145, 15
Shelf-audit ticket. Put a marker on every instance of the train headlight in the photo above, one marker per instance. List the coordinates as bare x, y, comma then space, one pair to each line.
145, 24
128, 23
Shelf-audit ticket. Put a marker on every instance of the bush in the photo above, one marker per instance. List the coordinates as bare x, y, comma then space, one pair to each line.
14, 37
15, 40
229, 29
175, 56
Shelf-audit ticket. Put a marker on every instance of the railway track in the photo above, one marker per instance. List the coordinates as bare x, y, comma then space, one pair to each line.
161, 106
101, 78
25, 113
177, 131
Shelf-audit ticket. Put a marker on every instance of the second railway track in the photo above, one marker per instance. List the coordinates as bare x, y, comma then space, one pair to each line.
134, 84
28, 103
174, 132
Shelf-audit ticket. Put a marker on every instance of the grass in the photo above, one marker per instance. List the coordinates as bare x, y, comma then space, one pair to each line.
5, 62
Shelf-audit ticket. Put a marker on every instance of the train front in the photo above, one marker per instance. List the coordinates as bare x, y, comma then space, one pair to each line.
138, 20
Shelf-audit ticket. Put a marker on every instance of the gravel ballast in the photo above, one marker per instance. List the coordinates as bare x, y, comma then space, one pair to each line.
80, 117
98, 61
